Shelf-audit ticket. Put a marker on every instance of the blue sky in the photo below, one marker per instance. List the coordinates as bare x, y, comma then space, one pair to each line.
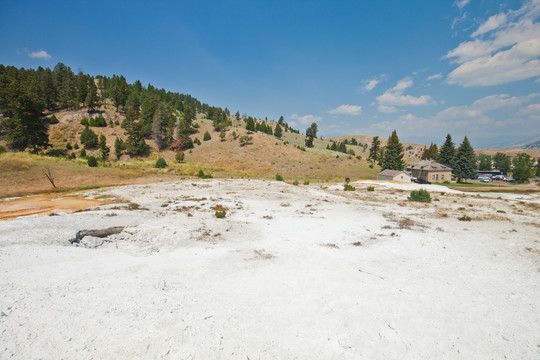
425, 68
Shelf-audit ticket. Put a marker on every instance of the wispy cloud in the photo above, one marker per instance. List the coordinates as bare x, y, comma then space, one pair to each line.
434, 77
396, 97
40, 54
461, 3
370, 85
346, 110
387, 109
505, 48
305, 119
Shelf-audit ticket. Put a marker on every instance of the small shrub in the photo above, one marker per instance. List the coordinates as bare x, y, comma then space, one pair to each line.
421, 195
56, 153
464, 218
76, 146
72, 156
84, 121
160, 163
98, 121
92, 161
68, 146
202, 175
197, 141
279, 177
348, 187
371, 166
2, 149
371, 188
306, 182
446, 182
207, 136
220, 214
245, 140
82, 154
295, 182
179, 157
53, 120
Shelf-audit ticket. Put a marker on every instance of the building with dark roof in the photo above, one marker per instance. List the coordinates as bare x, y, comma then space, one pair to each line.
432, 171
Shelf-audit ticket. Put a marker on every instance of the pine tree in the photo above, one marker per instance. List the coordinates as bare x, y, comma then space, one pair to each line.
105, 150
92, 100
278, 132
523, 167
393, 155
375, 149
118, 148
447, 152
88, 138
250, 124
27, 126
502, 162
465, 161
484, 162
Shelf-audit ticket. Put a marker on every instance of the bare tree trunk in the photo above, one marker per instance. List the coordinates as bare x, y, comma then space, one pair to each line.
48, 174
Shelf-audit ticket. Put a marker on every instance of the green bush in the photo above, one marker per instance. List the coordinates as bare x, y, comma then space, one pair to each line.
84, 121
220, 214
2, 149
53, 120
197, 141
98, 121
464, 218
89, 138
279, 177
68, 146
76, 146
202, 175
92, 161
179, 157
348, 187
371, 188
295, 182
82, 154
207, 136
72, 156
161, 163
421, 195
56, 153
306, 182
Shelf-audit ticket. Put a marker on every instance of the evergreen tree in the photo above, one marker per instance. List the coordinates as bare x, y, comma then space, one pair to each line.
523, 167
374, 150
309, 142
163, 126
27, 126
135, 144
393, 154
484, 162
447, 152
104, 149
430, 153
92, 99
250, 124
281, 120
278, 132
465, 161
118, 148
89, 138
312, 131
502, 162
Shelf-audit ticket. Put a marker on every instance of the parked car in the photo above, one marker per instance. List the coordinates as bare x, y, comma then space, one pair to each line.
509, 179
497, 177
484, 179
482, 176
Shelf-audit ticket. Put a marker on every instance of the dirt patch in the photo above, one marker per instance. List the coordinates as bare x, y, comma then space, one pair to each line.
44, 205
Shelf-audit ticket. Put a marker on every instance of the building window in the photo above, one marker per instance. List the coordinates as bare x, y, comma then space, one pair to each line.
432, 177
442, 177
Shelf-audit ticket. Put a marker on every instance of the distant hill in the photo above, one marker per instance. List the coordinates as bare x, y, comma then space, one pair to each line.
533, 146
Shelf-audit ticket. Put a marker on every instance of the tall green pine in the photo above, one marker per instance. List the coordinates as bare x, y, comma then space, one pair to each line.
465, 161
393, 155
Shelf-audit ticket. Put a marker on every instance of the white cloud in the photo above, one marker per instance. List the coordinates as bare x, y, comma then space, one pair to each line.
461, 3
492, 23
395, 96
434, 77
370, 85
505, 48
387, 109
41, 54
306, 119
347, 110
